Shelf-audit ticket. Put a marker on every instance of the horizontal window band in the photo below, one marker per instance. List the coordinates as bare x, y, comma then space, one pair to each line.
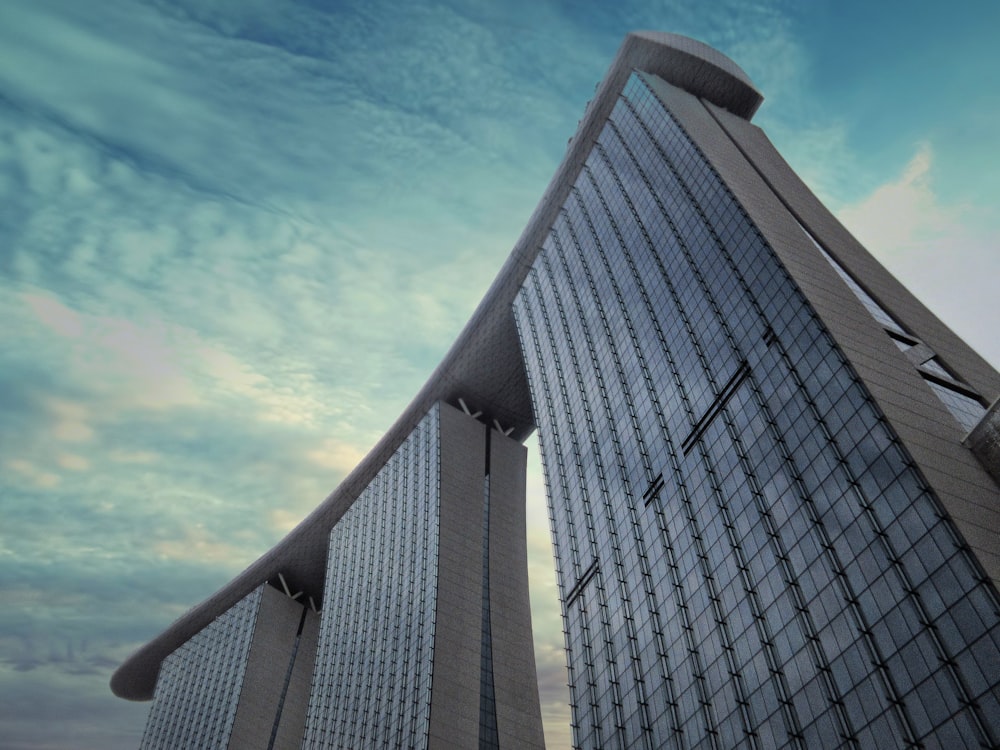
952, 385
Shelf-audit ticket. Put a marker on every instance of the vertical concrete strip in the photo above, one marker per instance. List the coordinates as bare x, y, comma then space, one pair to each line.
454, 721
267, 664
518, 708
293, 714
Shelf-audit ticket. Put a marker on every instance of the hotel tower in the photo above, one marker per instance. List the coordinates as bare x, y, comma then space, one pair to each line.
773, 481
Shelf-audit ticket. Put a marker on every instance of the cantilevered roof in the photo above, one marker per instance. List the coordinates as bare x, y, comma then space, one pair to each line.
483, 366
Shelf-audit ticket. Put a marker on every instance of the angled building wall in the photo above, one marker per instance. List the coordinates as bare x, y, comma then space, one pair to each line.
226, 686
198, 688
928, 382
749, 551
267, 717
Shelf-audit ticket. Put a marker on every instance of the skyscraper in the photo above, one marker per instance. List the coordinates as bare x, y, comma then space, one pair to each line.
763, 513
768, 466
426, 636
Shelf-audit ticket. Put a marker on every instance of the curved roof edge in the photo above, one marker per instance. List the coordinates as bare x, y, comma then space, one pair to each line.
695, 67
483, 366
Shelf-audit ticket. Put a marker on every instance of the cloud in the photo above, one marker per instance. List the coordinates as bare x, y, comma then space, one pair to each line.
195, 544
904, 212
934, 247
71, 420
236, 239
334, 454
49, 709
58, 317
34, 474
355, 115
72, 462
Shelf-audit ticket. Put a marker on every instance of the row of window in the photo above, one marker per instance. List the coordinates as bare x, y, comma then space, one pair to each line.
372, 679
199, 684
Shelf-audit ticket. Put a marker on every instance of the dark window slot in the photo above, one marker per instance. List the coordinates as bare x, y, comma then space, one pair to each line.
654, 490
575, 592
717, 406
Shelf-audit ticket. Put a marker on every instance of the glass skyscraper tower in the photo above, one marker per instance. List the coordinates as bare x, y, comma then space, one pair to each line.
772, 475
748, 554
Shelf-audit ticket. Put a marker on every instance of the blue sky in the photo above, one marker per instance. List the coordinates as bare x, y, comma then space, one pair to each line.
236, 236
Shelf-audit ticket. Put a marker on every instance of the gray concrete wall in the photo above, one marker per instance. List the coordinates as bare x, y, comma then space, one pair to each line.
293, 716
519, 717
455, 684
267, 664
775, 197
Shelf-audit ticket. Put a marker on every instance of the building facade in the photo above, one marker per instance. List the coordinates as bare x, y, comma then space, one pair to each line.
749, 556
425, 639
424, 636
768, 470
238, 682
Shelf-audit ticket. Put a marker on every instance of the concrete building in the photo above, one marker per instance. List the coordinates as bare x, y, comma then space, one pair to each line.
768, 469
228, 686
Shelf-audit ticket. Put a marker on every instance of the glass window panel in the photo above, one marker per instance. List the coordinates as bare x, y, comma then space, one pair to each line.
966, 410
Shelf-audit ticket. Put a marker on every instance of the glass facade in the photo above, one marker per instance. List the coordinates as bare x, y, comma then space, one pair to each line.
371, 684
966, 410
199, 685
746, 554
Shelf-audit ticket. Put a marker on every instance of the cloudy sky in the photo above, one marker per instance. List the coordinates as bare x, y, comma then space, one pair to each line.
236, 236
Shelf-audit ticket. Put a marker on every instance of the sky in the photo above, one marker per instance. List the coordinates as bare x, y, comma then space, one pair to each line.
236, 237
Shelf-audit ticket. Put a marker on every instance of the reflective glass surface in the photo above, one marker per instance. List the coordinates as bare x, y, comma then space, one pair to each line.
372, 680
199, 685
966, 410
932, 365
746, 554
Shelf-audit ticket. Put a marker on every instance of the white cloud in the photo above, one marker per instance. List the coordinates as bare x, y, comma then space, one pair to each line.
72, 462
195, 544
55, 315
32, 473
140, 364
71, 424
133, 456
334, 454
945, 253
904, 213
